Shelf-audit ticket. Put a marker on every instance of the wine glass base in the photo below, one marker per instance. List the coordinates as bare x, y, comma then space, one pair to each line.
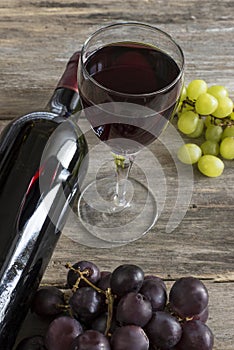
99, 214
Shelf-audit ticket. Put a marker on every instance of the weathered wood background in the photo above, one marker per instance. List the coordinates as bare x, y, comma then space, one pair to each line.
36, 40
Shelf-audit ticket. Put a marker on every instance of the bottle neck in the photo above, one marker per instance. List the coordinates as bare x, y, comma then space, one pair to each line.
64, 102
65, 99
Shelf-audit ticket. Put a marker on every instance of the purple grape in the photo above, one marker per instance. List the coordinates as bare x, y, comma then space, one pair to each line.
126, 278
203, 316
157, 279
91, 340
196, 336
87, 303
163, 330
188, 297
93, 273
48, 301
154, 291
129, 337
134, 308
104, 281
35, 342
100, 323
61, 333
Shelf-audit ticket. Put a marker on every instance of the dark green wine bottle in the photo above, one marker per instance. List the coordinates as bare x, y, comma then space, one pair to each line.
43, 160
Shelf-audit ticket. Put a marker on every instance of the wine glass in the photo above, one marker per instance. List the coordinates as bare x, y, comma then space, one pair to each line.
130, 78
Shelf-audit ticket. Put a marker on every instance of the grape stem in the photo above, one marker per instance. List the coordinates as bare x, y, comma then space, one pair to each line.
110, 301
188, 102
225, 121
109, 296
63, 307
82, 275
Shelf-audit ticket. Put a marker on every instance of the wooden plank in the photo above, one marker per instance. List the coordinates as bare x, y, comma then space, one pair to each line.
43, 34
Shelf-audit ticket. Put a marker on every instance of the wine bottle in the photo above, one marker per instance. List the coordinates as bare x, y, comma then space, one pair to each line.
43, 160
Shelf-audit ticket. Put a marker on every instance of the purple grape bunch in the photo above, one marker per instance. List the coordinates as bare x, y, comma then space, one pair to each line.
121, 310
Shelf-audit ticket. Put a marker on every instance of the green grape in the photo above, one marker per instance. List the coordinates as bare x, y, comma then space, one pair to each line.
218, 121
228, 132
214, 133
188, 107
189, 153
179, 107
208, 120
227, 148
187, 122
196, 88
199, 129
206, 104
210, 165
225, 107
185, 108
217, 91
210, 147
231, 116
183, 94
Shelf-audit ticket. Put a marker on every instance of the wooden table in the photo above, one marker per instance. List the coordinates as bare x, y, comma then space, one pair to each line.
36, 40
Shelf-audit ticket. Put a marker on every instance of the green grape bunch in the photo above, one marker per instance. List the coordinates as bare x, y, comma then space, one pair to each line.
206, 113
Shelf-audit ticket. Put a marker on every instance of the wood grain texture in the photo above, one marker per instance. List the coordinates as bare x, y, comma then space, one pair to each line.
36, 40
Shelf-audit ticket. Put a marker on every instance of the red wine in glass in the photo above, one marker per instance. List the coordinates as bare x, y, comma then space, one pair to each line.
132, 70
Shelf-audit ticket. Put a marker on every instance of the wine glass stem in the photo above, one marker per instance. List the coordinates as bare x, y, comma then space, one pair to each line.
123, 166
